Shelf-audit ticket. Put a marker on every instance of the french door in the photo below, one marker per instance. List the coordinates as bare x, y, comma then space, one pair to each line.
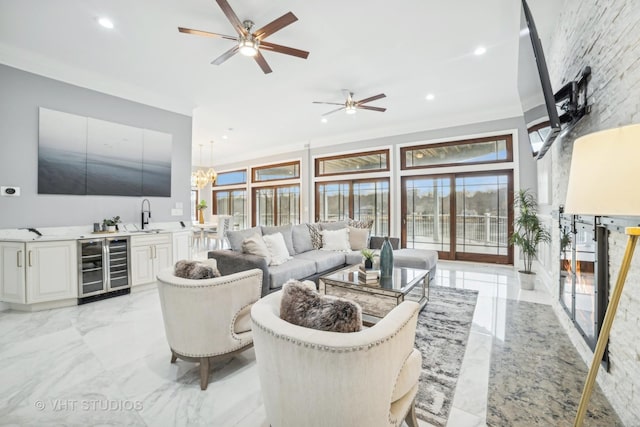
464, 216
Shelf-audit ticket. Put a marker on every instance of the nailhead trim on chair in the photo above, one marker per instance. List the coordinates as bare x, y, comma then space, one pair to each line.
195, 285
328, 348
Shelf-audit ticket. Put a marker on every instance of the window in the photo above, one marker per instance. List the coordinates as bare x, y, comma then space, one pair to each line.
277, 205
373, 161
231, 178
357, 199
466, 152
234, 203
281, 171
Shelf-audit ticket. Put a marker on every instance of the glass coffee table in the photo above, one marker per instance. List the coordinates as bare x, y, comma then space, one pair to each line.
378, 299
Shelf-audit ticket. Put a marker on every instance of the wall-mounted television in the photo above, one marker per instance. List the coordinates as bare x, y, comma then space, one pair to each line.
561, 109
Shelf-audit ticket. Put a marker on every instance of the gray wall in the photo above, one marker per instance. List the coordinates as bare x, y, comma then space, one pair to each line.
600, 34
21, 94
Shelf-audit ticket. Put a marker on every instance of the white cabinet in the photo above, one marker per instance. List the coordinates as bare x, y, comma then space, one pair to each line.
38, 272
12, 272
149, 254
182, 245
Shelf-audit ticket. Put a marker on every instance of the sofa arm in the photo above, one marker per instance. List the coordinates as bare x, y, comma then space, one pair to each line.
230, 262
376, 242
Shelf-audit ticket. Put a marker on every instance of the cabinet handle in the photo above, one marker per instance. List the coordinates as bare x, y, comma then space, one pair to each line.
30, 263
19, 258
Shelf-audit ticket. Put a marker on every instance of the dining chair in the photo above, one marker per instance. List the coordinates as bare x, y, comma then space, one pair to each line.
219, 235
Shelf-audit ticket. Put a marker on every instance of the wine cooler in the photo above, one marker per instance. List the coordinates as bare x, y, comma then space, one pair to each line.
103, 267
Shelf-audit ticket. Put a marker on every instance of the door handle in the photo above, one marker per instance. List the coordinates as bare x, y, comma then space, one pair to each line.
19, 258
29, 256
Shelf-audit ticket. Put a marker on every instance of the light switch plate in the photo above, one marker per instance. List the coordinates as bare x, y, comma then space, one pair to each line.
10, 191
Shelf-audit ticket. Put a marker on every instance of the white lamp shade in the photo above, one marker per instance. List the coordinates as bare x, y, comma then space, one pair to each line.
605, 172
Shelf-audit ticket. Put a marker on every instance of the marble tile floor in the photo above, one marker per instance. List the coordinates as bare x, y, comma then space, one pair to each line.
107, 362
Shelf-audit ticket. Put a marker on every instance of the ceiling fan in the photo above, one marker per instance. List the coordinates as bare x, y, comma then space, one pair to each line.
249, 43
351, 105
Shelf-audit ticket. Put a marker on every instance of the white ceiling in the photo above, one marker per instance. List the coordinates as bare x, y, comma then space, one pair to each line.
405, 49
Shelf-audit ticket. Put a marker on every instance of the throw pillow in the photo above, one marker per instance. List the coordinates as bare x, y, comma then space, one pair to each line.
316, 235
286, 231
360, 224
336, 240
277, 248
305, 307
195, 270
255, 245
358, 238
236, 237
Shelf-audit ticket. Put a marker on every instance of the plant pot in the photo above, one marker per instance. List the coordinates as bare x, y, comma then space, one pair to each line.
111, 228
527, 280
368, 264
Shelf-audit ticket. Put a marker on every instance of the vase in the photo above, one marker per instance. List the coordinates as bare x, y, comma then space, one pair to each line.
201, 216
386, 259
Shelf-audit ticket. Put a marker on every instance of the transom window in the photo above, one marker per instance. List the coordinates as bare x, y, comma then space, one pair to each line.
280, 171
472, 151
372, 161
231, 178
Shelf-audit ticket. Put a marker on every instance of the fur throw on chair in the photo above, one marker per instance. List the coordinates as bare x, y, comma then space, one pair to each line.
195, 270
305, 307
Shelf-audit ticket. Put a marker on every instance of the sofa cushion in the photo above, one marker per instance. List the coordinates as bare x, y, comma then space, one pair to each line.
358, 238
307, 308
333, 225
353, 257
243, 321
237, 237
285, 230
255, 245
296, 268
315, 231
323, 260
277, 248
336, 240
415, 258
301, 239
195, 270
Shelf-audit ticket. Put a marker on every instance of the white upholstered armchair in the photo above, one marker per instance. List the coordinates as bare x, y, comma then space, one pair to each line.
317, 378
208, 319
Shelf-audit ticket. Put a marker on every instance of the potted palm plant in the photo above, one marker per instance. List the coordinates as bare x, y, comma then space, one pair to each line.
528, 233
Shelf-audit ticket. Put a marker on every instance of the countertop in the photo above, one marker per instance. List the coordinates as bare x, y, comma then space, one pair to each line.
50, 234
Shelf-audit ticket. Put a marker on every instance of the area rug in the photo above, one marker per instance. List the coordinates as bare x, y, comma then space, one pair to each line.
536, 375
441, 336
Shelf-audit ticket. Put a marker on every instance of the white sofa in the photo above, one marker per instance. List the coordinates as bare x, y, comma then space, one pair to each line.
208, 319
317, 378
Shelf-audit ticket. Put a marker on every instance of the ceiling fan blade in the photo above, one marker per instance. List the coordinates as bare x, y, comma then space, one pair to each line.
284, 49
228, 54
329, 103
371, 98
333, 111
365, 107
232, 17
275, 25
205, 33
262, 63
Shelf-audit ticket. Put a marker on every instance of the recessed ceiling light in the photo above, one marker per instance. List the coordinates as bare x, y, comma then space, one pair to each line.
430, 97
480, 50
105, 22
324, 120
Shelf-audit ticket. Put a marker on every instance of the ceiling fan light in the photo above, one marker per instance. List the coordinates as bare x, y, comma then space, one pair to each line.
248, 47
351, 109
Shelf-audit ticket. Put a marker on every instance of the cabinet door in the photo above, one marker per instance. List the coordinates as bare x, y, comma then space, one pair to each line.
181, 246
163, 258
141, 265
12, 272
52, 271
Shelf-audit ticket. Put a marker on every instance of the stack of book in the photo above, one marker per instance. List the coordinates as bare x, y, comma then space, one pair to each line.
368, 277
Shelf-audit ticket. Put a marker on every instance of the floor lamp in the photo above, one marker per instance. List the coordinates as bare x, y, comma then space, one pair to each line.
603, 179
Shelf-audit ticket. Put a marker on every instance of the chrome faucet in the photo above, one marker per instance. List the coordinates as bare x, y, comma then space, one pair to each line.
146, 214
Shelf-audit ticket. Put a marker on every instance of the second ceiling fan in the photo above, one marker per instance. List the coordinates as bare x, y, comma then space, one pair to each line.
350, 105
250, 43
